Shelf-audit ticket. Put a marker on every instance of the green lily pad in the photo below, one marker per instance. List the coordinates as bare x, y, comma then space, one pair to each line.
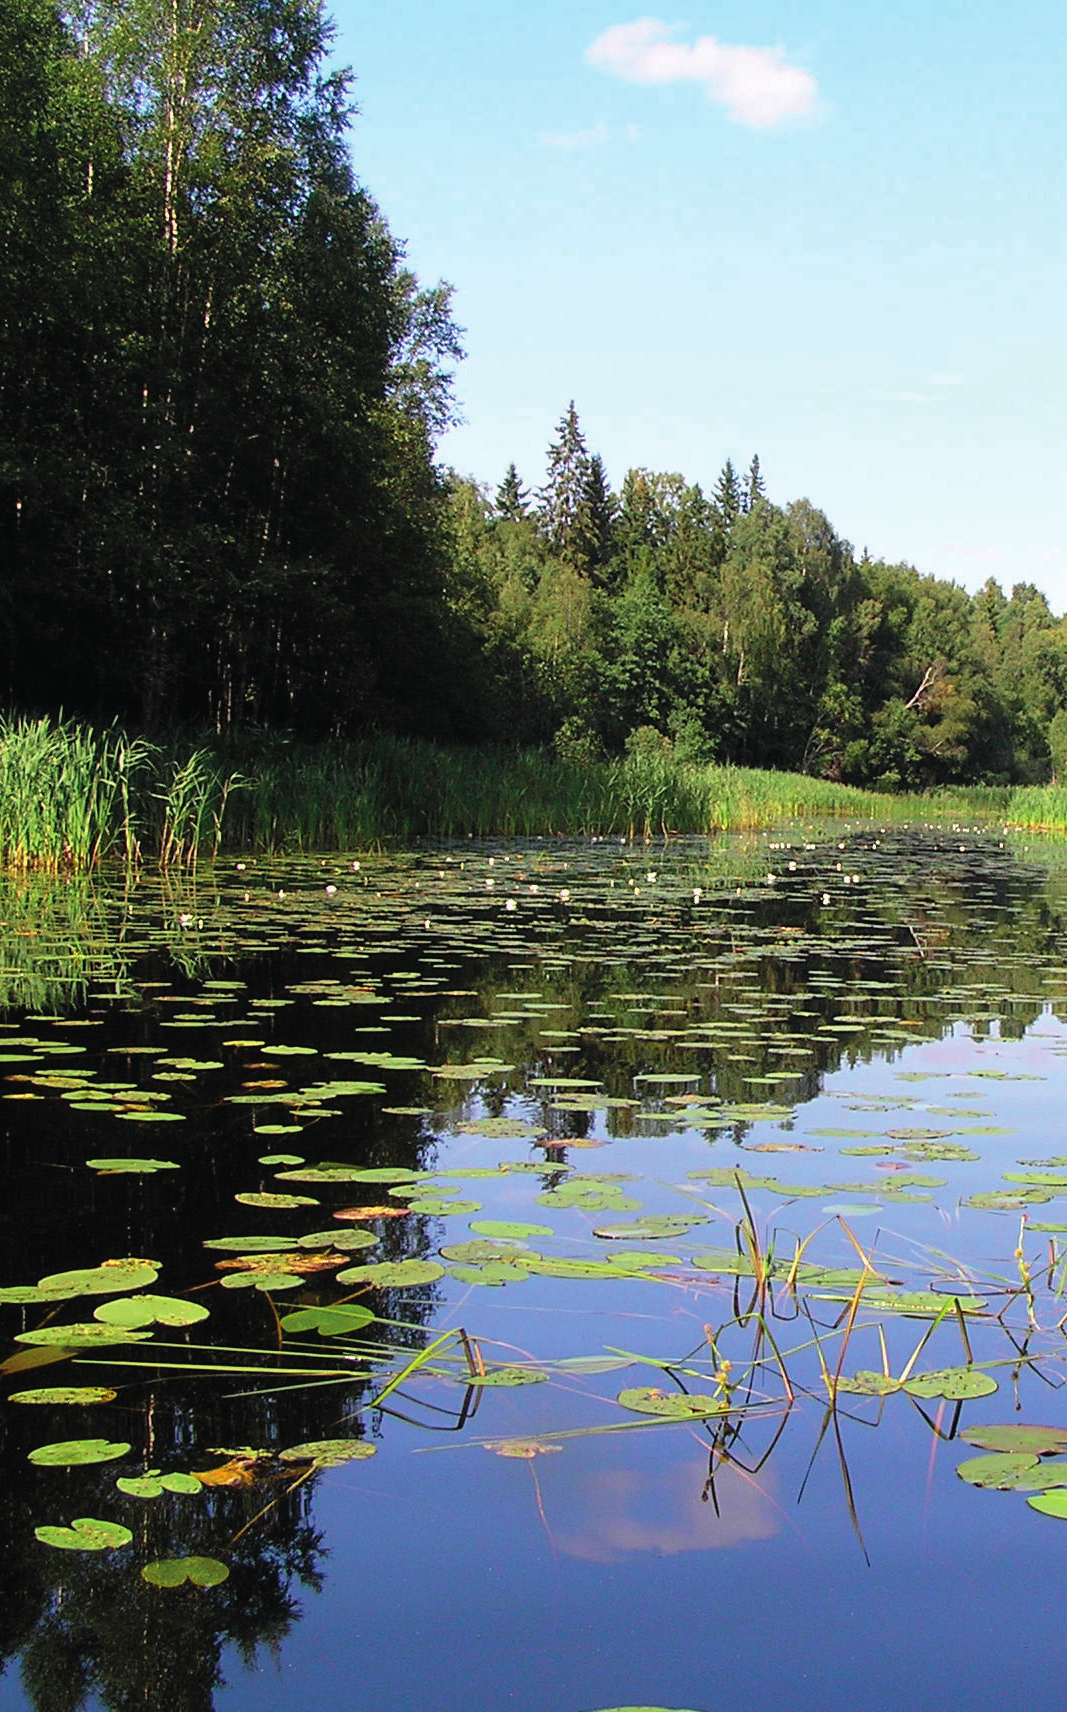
865, 1383
670, 1405
329, 1453
506, 1376
393, 1274
54, 1394
265, 1281
176, 1571
485, 1248
256, 1199
916, 1303
68, 1453
954, 1383
150, 1310
1000, 1471
346, 1318
86, 1533
1050, 1504
143, 1167
31, 1295
491, 1272
153, 1484
1016, 1436
642, 1230
508, 1228
83, 1334
111, 1276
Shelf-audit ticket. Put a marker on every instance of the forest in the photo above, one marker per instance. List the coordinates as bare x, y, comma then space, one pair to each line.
223, 511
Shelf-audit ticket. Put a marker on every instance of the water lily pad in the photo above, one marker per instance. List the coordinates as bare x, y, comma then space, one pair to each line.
56, 1394
329, 1453
153, 1484
865, 1383
642, 1230
266, 1281
340, 1321
506, 1376
142, 1167
508, 1228
1000, 1471
485, 1248
111, 1275
1016, 1436
490, 1272
670, 1405
522, 1449
247, 1244
86, 1533
68, 1453
1050, 1504
31, 1295
83, 1334
176, 1571
393, 1274
150, 1310
257, 1199
954, 1383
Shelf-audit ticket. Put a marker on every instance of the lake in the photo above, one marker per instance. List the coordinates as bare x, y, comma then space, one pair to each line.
557, 1277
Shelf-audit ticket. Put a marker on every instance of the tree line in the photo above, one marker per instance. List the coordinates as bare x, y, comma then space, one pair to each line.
221, 505
728, 628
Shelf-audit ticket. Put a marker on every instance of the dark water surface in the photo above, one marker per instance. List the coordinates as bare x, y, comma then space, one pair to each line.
745, 1119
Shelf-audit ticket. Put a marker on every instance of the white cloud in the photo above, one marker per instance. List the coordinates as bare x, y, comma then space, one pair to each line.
756, 85
575, 139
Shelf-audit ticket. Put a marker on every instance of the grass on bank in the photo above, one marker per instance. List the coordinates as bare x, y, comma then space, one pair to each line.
72, 796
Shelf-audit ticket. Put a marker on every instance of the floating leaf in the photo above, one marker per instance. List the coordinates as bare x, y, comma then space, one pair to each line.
486, 1248
175, 1571
955, 1383
153, 1484
670, 1405
67, 1453
329, 1453
393, 1274
1036, 1441
254, 1199
86, 1533
1050, 1504
865, 1383
491, 1272
31, 1295
81, 1335
525, 1449
143, 1167
641, 1230
52, 1394
112, 1275
1002, 1471
246, 1244
150, 1310
347, 1317
506, 1376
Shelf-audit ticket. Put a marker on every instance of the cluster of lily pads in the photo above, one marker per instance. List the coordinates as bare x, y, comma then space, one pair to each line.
683, 1003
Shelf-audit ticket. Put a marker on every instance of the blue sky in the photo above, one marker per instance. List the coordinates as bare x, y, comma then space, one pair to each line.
830, 234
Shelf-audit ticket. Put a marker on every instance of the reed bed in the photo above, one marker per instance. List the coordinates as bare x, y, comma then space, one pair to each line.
72, 796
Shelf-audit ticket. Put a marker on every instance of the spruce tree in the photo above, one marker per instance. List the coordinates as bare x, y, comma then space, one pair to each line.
728, 495
561, 497
512, 497
756, 488
596, 519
